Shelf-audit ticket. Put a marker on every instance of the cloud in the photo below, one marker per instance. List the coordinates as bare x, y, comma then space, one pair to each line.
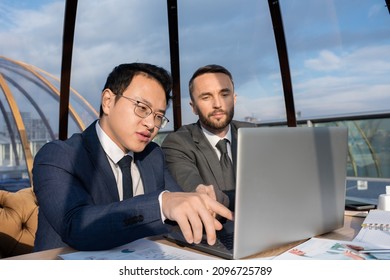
333, 70
357, 62
34, 36
327, 61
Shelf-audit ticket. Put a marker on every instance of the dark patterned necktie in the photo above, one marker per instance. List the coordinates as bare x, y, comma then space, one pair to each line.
127, 183
226, 165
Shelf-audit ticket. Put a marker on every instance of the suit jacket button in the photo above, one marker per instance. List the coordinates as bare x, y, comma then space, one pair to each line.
133, 220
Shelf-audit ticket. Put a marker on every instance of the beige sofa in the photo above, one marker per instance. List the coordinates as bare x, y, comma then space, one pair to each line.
18, 222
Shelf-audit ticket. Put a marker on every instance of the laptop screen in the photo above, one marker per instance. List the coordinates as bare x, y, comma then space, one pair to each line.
290, 185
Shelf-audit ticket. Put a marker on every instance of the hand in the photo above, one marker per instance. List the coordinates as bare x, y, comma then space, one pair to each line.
215, 194
192, 212
206, 189
209, 191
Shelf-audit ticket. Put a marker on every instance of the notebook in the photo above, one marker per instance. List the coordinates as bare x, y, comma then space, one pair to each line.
375, 229
290, 186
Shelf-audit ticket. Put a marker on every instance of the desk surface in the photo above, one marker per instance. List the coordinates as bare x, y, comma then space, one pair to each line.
352, 225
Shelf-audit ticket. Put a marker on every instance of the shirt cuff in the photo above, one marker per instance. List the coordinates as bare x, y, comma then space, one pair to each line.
163, 218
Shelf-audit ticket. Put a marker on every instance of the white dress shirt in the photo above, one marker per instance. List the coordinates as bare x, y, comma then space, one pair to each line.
115, 154
214, 139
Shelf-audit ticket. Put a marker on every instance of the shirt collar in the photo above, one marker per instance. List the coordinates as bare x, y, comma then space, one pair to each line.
110, 148
213, 139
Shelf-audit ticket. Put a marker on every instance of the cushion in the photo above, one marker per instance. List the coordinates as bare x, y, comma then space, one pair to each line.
18, 222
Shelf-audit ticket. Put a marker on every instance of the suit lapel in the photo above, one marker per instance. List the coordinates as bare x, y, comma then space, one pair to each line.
146, 173
234, 144
151, 168
99, 160
208, 152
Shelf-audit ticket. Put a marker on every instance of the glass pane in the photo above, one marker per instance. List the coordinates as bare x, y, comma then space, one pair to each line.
368, 167
338, 53
239, 37
30, 34
109, 33
368, 150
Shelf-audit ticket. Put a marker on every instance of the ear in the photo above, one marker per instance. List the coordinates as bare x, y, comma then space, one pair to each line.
108, 99
194, 109
235, 98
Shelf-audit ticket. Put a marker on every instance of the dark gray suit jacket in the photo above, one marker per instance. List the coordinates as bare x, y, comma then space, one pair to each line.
191, 158
78, 197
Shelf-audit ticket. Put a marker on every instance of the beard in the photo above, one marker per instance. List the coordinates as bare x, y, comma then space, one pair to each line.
216, 125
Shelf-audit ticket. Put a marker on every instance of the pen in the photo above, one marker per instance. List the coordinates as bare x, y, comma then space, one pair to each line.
377, 251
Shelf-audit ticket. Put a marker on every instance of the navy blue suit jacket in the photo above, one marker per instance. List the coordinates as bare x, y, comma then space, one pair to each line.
78, 197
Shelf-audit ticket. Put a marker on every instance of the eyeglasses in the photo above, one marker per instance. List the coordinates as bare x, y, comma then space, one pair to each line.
142, 110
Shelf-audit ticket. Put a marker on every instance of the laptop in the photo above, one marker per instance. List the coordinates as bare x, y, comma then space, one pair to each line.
290, 186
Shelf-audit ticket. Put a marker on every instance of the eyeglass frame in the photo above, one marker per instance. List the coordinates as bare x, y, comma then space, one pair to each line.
138, 104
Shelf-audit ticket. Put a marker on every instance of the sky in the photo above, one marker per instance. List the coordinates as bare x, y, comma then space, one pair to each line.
338, 50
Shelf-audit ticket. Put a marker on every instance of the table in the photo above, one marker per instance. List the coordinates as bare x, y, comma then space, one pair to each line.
352, 225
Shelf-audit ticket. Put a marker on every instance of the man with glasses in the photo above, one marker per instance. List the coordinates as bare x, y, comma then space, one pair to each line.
204, 152
109, 185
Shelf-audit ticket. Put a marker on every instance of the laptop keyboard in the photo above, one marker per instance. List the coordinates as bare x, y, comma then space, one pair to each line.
224, 240
227, 240
223, 247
